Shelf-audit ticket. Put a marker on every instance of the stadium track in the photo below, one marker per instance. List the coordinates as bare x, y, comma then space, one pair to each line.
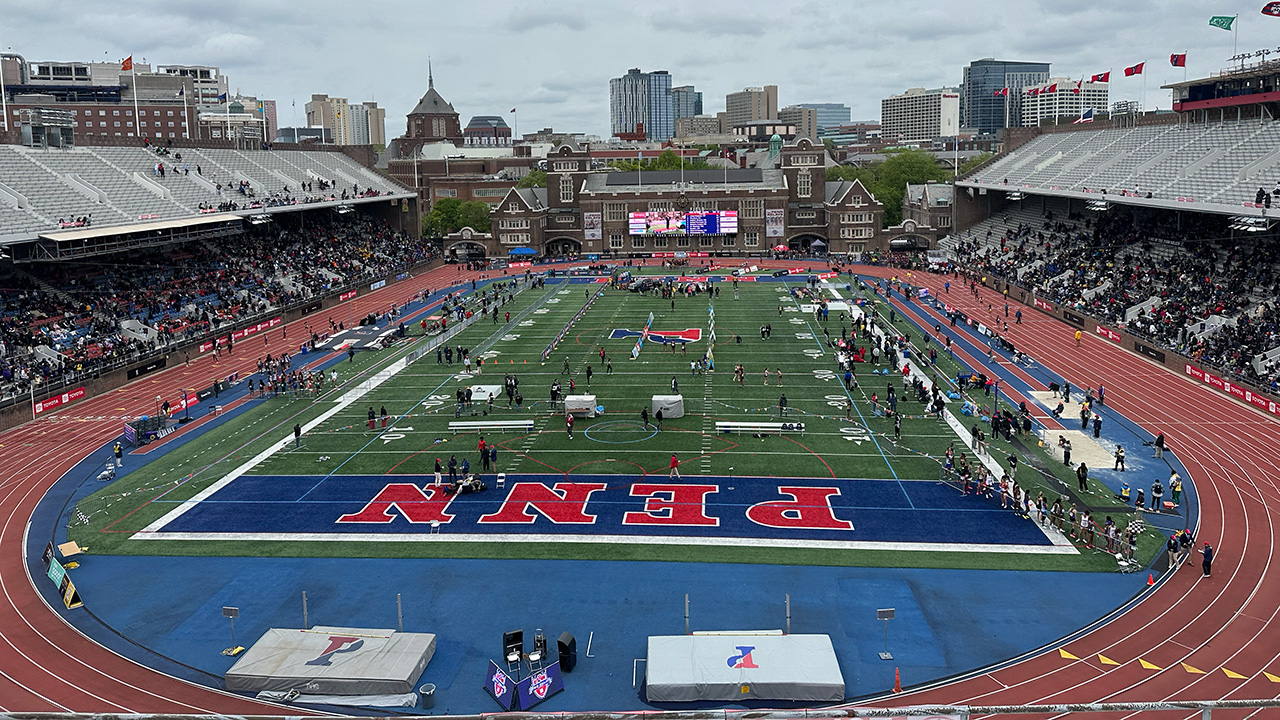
45, 664
1227, 621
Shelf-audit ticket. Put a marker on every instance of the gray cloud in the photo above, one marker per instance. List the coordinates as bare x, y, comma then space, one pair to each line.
553, 59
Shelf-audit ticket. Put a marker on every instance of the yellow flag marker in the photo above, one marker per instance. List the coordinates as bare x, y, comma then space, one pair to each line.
1271, 677
1148, 666
1066, 655
1106, 660
1192, 670
1233, 675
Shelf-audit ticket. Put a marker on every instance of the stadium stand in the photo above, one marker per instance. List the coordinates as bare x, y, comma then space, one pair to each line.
1222, 163
1180, 280
46, 189
68, 319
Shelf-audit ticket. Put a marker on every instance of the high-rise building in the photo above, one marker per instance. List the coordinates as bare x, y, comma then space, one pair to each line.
208, 81
641, 101
348, 123
1057, 101
830, 114
753, 103
983, 110
920, 115
685, 102
804, 118
263, 111
331, 114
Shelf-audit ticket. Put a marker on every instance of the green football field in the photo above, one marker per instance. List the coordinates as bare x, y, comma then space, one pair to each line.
420, 400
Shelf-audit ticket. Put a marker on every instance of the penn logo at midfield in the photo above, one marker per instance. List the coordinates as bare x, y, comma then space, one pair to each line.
663, 336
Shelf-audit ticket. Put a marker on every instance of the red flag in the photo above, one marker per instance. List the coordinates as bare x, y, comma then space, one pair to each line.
1003, 92
127, 64
1134, 70
1076, 89
1101, 77
1178, 59
1272, 9
1052, 88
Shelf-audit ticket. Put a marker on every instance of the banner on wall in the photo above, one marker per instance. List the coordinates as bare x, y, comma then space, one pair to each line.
592, 224
774, 222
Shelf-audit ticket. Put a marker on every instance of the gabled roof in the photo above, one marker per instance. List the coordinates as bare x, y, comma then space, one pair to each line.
915, 192
432, 104
533, 198
838, 191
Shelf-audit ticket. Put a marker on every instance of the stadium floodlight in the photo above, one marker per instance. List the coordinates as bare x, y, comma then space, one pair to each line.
1015, 196
344, 209
1097, 205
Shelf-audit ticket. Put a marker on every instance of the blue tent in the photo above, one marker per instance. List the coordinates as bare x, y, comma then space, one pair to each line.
523, 251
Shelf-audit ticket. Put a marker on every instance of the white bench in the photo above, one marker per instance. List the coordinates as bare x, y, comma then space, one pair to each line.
503, 425
759, 427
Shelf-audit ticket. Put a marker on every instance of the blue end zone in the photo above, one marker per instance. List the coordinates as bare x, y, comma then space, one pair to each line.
661, 336
865, 511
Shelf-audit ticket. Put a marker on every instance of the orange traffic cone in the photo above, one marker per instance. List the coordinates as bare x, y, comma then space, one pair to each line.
1151, 579
897, 681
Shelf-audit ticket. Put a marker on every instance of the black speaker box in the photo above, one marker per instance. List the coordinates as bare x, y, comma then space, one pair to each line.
568, 648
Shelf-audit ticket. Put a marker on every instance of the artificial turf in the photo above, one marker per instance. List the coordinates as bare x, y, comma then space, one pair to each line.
420, 400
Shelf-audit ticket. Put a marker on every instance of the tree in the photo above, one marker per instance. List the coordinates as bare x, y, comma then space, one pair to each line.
969, 165
535, 178
475, 215
443, 218
887, 180
451, 215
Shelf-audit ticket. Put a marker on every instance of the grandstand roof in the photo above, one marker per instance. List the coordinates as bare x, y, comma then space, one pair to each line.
93, 232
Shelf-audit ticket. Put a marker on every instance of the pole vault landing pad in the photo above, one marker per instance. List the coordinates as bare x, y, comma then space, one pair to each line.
333, 661
734, 667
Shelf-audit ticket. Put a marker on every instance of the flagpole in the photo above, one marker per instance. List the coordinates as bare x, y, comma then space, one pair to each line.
1235, 35
4, 96
137, 120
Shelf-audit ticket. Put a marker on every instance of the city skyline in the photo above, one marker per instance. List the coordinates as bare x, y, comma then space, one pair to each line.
568, 51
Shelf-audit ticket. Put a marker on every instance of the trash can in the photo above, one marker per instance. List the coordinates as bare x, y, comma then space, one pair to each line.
428, 694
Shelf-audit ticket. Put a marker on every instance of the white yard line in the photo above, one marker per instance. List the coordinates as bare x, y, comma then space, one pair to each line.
508, 538
342, 403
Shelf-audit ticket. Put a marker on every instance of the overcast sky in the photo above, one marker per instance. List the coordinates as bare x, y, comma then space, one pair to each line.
552, 60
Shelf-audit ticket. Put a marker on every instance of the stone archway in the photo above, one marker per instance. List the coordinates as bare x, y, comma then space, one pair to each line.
561, 246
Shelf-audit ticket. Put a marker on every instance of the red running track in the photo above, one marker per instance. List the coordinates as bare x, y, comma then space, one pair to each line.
45, 664
1229, 620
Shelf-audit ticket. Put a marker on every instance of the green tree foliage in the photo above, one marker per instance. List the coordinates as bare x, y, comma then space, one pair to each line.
887, 181
668, 160
968, 165
451, 215
535, 178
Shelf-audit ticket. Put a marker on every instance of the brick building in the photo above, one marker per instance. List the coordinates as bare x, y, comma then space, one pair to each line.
786, 200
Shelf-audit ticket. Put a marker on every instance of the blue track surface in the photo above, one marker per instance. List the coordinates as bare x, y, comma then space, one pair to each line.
865, 510
947, 621
165, 612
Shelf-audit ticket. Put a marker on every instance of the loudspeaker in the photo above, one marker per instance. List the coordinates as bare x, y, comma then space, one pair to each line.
568, 647
512, 640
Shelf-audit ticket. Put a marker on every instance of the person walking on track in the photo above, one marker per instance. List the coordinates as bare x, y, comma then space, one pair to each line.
1206, 564
675, 468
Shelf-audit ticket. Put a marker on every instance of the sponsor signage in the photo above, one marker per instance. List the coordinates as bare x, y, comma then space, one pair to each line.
1242, 393
66, 588
154, 365
58, 401
313, 307
539, 685
500, 687
1043, 304
378, 285
1149, 351
1107, 333
252, 330
346, 295
775, 220
1073, 318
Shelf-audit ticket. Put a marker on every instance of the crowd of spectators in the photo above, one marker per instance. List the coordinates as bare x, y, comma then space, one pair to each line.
1179, 280
62, 319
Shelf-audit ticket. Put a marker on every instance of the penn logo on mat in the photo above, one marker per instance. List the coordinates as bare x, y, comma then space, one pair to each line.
337, 644
663, 336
